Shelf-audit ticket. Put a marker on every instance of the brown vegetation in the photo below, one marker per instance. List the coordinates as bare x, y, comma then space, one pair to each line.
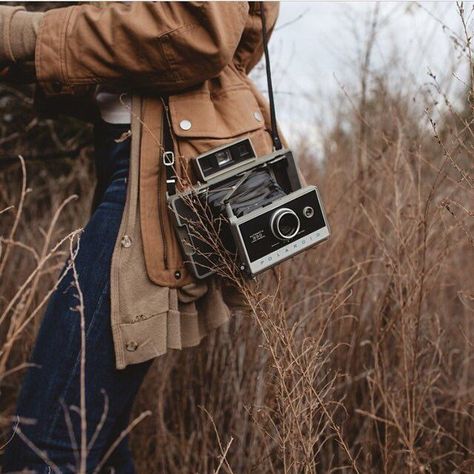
357, 355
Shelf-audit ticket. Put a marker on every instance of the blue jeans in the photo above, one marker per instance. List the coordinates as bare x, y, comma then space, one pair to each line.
54, 381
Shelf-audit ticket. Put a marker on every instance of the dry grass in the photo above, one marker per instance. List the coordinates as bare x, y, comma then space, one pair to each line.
355, 357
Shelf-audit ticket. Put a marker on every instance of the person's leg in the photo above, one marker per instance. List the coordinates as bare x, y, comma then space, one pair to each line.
54, 382
121, 460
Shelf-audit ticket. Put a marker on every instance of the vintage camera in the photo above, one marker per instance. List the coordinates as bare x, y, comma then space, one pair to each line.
264, 214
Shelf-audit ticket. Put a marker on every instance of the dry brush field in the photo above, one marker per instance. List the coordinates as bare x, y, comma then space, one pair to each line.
357, 355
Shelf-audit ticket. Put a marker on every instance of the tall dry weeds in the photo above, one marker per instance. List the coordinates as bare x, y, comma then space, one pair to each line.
355, 356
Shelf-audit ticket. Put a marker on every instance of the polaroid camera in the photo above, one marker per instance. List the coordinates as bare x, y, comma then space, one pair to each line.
265, 216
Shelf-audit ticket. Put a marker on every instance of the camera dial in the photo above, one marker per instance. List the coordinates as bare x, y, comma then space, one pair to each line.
284, 223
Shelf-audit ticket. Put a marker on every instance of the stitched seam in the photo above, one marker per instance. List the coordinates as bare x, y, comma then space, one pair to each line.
64, 71
7, 32
224, 91
169, 63
211, 133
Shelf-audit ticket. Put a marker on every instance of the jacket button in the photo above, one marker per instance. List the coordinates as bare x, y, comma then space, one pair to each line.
131, 346
185, 124
258, 116
126, 241
177, 274
57, 86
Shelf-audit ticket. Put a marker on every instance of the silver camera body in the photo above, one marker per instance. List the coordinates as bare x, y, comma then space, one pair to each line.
265, 214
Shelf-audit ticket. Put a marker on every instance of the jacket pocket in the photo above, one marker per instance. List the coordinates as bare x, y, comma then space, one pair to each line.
202, 121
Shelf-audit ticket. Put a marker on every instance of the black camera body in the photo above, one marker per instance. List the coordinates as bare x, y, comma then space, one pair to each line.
263, 214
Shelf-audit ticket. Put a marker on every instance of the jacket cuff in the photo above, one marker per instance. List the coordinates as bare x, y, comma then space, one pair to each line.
24, 30
50, 51
5, 40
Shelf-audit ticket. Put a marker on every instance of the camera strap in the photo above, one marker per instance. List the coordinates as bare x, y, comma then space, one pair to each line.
273, 124
168, 154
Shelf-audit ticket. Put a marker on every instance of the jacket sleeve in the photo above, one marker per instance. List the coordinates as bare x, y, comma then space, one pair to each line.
170, 45
250, 49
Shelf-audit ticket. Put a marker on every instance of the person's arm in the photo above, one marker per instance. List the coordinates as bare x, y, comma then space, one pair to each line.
167, 45
252, 55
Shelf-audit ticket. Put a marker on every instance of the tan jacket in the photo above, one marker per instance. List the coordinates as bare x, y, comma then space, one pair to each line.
197, 55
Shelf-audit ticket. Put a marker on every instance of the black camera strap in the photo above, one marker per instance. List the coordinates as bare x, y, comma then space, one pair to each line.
273, 124
168, 156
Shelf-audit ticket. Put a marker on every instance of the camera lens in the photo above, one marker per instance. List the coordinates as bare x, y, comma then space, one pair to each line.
285, 224
308, 211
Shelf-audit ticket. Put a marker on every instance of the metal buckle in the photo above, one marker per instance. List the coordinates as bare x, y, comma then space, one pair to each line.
168, 158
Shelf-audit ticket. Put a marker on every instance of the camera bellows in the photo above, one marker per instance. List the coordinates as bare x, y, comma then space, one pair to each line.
244, 194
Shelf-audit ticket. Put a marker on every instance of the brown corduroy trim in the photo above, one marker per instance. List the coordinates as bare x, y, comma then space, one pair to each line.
6, 32
24, 28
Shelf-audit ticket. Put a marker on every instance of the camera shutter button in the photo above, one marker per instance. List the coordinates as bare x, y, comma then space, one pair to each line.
185, 124
257, 116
